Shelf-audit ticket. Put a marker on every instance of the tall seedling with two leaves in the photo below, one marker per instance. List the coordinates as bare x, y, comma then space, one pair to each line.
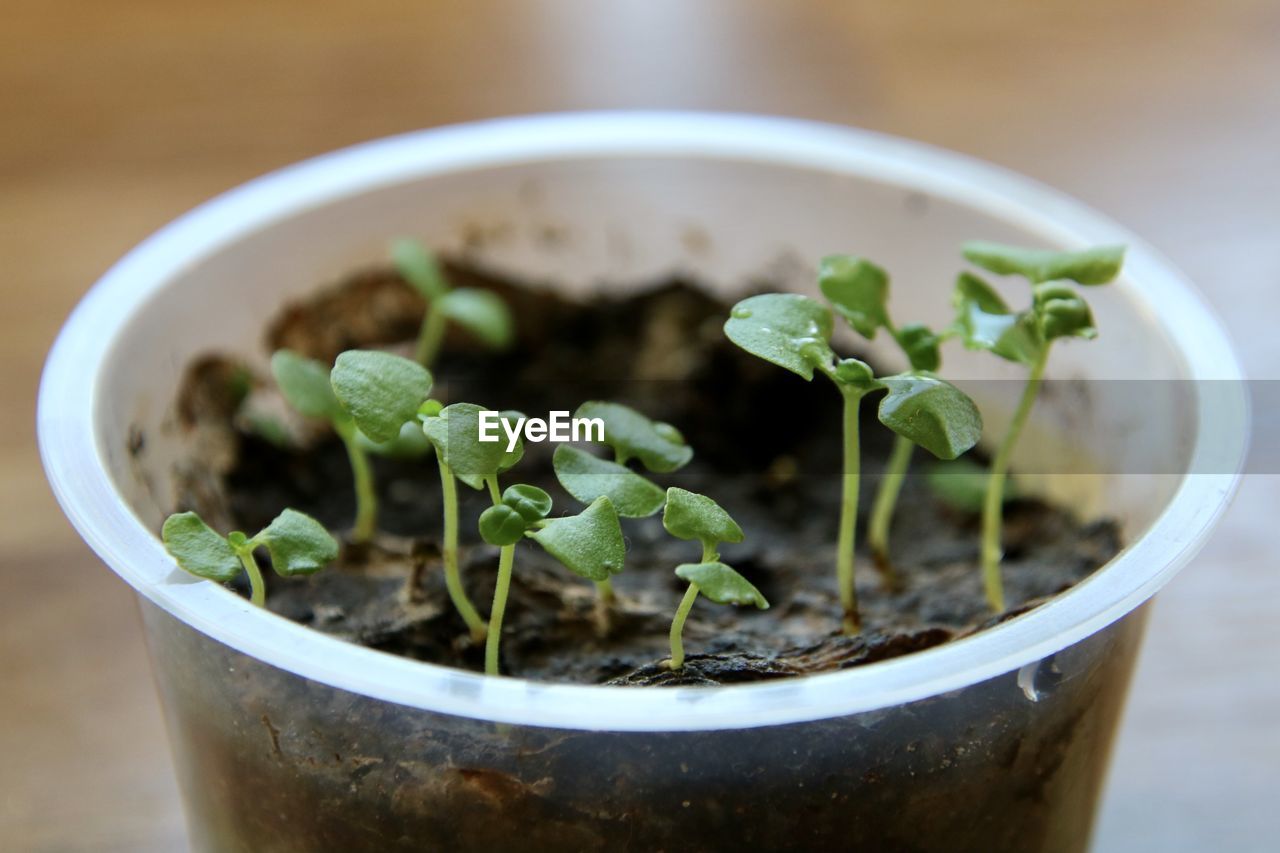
355, 407
688, 515
794, 332
480, 312
859, 292
985, 322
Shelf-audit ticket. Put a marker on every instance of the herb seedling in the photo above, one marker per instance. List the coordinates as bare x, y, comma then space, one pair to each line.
985, 322
794, 332
366, 393
481, 312
589, 544
689, 515
859, 292
658, 447
296, 542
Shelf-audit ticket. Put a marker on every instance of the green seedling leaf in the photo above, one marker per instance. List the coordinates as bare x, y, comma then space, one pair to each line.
858, 289
381, 391
1062, 312
199, 549
856, 374
502, 525
589, 544
298, 544
785, 329
418, 267
962, 484
1098, 265
921, 345
930, 412
481, 312
689, 515
532, 503
304, 382
455, 432
588, 477
660, 447
722, 584
985, 323
411, 443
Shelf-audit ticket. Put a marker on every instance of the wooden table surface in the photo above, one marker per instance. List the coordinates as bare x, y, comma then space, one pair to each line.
115, 117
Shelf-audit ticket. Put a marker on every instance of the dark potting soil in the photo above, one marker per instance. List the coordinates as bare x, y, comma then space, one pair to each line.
766, 448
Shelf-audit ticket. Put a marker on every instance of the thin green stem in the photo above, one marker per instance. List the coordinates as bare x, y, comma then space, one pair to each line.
430, 336
846, 541
605, 590
993, 503
709, 554
506, 560
449, 553
257, 588
885, 503
366, 496
677, 626
495, 493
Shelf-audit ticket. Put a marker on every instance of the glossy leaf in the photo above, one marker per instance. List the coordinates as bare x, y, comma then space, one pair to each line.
930, 412
785, 329
455, 432
1098, 265
588, 477
855, 374
298, 544
502, 525
689, 515
722, 584
381, 391
481, 312
418, 267
985, 322
532, 503
589, 544
858, 290
198, 548
304, 382
658, 446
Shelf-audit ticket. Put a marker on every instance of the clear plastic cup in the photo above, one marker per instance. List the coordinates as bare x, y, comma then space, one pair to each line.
287, 739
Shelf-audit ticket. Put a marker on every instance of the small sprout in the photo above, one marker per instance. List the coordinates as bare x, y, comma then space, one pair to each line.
368, 396
689, 515
454, 432
481, 312
858, 290
794, 332
985, 322
297, 544
589, 544
716, 581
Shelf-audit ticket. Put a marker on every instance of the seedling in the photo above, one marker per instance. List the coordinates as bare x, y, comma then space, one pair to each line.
589, 544
859, 292
481, 312
985, 322
297, 544
794, 332
689, 515
373, 393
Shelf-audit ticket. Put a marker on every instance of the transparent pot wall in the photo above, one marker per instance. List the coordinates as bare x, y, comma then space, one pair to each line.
270, 761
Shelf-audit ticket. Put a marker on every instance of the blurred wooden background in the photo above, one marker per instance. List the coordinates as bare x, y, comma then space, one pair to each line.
115, 117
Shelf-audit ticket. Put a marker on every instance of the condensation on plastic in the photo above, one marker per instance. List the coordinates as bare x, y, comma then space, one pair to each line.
730, 200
